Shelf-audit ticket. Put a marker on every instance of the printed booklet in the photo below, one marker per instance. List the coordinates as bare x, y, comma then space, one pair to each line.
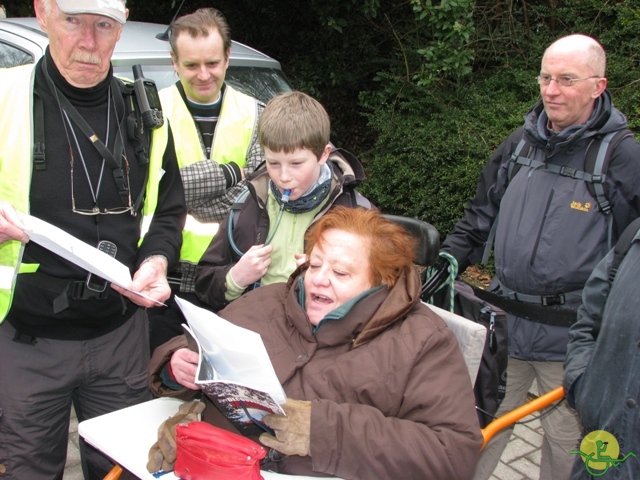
234, 369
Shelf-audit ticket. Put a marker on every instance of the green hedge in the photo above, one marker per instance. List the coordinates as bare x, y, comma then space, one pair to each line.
427, 157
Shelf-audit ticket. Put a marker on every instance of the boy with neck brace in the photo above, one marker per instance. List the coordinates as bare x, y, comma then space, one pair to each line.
304, 178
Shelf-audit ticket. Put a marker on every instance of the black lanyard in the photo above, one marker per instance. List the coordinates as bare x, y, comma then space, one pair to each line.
113, 160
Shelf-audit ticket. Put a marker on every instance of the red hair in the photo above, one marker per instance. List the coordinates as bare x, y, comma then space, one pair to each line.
391, 247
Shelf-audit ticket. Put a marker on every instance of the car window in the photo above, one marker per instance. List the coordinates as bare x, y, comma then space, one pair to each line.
11, 56
163, 75
262, 83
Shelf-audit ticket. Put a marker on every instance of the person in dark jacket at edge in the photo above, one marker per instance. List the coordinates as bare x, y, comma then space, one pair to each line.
551, 234
375, 381
602, 369
66, 339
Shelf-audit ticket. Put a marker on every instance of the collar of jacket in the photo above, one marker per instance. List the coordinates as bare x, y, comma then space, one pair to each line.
338, 313
258, 185
366, 320
604, 119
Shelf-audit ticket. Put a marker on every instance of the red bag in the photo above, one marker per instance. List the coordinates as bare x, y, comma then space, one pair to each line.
205, 452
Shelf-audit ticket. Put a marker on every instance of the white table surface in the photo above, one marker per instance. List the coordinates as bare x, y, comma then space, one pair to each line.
126, 436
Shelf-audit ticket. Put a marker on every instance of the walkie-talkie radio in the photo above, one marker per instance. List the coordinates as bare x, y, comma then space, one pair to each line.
148, 99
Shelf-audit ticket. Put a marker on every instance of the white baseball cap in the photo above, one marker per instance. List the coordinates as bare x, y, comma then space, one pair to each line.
109, 8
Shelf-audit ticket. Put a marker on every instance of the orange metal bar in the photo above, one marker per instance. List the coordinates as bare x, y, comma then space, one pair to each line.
114, 473
513, 416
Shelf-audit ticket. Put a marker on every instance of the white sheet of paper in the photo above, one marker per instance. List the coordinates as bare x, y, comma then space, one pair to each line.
237, 354
79, 253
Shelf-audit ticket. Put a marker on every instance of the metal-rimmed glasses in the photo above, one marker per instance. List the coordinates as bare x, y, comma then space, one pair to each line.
563, 80
96, 210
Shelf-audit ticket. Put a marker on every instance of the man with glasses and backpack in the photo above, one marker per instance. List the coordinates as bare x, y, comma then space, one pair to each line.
551, 201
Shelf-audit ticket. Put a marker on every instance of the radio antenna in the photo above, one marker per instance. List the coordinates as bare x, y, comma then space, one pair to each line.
165, 35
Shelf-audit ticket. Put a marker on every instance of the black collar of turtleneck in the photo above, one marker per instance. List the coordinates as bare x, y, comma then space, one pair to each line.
199, 110
84, 97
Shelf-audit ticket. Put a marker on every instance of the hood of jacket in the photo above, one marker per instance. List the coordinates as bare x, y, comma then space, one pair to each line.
366, 320
604, 119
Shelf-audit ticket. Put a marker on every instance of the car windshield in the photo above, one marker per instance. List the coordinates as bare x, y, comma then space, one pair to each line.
259, 82
262, 83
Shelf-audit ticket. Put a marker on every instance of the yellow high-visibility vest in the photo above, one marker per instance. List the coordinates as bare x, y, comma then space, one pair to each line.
236, 125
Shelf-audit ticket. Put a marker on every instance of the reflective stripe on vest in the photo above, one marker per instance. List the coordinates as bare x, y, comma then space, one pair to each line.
231, 142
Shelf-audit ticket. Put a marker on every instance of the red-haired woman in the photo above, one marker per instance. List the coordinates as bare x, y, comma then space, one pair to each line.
377, 387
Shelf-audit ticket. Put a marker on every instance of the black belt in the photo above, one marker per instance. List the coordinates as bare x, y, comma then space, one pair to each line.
546, 312
68, 289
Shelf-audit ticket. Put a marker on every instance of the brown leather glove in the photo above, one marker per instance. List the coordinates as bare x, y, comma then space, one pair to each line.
162, 454
293, 432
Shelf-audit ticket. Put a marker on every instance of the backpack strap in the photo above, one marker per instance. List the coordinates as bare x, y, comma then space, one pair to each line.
359, 200
622, 247
38, 132
137, 133
597, 162
234, 211
518, 158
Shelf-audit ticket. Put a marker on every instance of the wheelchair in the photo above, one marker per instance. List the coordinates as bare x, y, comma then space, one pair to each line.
471, 336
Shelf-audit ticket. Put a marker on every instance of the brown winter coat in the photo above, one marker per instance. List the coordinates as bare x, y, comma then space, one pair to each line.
391, 393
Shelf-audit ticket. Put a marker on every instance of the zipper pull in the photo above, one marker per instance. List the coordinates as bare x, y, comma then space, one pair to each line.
493, 344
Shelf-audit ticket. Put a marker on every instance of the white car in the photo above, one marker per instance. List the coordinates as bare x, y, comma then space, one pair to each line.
250, 71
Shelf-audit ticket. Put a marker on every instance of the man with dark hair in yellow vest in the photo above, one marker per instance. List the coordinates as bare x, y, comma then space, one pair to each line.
68, 158
215, 133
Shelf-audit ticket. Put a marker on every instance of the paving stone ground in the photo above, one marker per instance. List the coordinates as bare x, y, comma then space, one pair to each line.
521, 458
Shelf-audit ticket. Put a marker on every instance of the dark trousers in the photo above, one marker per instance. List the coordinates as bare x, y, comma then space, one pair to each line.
39, 383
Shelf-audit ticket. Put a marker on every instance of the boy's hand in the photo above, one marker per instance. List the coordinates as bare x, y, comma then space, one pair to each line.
301, 259
252, 266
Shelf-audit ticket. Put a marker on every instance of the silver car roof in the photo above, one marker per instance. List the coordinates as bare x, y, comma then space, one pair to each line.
138, 41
